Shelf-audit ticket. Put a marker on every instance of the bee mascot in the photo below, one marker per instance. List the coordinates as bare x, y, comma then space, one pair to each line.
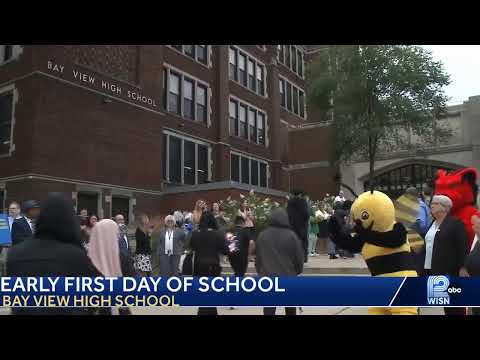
381, 240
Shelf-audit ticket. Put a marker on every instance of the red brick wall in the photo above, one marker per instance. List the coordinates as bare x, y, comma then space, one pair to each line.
34, 189
316, 182
311, 145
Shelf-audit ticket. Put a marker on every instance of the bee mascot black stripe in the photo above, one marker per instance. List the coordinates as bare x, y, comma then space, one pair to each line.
380, 239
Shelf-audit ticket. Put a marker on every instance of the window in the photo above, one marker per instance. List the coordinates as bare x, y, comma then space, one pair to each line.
189, 169
247, 71
295, 100
260, 81
261, 128
287, 56
201, 103
251, 75
243, 122
195, 52
202, 171
248, 170
233, 69
6, 52
292, 98
254, 172
263, 175
245, 170
235, 168
289, 96
233, 110
294, 58
188, 98
300, 63
175, 160
187, 160
242, 70
251, 128
281, 53
6, 112
302, 103
202, 54
282, 92
189, 50
174, 93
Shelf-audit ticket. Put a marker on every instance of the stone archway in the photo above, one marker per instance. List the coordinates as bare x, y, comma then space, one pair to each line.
395, 178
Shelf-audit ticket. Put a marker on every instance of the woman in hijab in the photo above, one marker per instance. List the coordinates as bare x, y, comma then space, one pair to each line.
56, 250
104, 251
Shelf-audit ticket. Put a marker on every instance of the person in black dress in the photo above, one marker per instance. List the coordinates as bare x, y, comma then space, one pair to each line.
208, 244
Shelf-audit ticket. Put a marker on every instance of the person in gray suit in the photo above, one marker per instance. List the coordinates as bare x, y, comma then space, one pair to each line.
170, 247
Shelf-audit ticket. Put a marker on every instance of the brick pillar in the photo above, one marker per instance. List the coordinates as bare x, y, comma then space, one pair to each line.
222, 151
273, 126
150, 76
106, 206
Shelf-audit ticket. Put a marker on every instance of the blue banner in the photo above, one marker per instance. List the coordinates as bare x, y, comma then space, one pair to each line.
5, 237
335, 291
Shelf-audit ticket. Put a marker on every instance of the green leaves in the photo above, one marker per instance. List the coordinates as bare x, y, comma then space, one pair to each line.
378, 93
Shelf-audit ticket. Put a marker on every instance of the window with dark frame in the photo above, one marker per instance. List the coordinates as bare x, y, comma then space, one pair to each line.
300, 63
248, 170
242, 115
235, 167
202, 54
260, 81
289, 96
263, 175
254, 172
247, 122
295, 100
188, 105
194, 168
247, 71
251, 75
174, 93
294, 58
189, 50
261, 128
201, 103
7, 52
202, 171
282, 92
302, 103
242, 71
175, 160
178, 47
6, 111
245, 170
233, 110
252, 126
232, 67
287, 56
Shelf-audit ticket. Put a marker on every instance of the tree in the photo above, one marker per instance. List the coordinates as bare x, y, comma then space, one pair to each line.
376, 94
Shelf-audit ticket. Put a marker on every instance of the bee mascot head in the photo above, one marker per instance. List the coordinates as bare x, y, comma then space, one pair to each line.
374, 211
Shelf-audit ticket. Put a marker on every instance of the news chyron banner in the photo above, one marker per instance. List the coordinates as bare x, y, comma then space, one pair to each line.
341, 291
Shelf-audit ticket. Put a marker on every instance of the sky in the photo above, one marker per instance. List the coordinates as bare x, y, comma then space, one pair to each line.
462, 62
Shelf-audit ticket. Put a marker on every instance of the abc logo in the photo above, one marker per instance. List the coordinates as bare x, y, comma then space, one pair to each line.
454, 290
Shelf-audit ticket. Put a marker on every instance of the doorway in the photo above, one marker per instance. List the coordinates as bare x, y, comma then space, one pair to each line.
87, 201
121, 205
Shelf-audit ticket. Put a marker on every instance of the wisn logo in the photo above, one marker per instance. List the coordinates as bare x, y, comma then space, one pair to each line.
439, 290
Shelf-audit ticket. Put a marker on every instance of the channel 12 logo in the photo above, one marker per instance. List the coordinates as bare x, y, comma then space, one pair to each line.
439, 290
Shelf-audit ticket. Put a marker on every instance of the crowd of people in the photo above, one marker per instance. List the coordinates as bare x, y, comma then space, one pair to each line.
49, 239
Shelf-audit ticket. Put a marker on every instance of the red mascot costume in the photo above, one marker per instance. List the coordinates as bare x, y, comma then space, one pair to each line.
461, 187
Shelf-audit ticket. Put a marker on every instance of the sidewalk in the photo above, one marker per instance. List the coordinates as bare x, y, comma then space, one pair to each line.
320, 265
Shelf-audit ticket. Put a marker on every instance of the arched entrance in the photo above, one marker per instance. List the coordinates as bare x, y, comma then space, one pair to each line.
394, 179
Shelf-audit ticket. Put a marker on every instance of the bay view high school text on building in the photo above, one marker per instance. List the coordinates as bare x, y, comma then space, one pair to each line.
153, 128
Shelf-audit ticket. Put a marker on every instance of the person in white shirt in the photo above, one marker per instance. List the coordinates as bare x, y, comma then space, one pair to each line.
13, 213
170, 248
340, 197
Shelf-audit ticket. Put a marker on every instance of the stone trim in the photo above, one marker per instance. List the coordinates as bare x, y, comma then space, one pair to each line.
317, 164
